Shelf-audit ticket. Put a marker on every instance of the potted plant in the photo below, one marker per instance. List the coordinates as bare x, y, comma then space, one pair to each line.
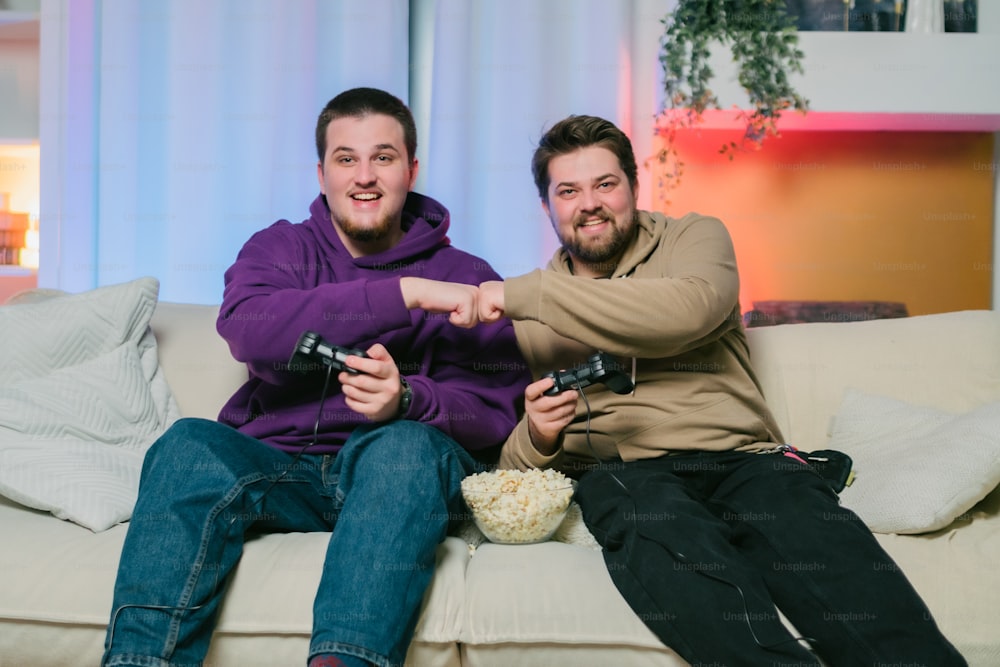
763, 39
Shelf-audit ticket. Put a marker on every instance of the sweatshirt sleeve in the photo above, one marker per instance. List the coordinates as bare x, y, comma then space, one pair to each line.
519, 454
266, 305
685, 296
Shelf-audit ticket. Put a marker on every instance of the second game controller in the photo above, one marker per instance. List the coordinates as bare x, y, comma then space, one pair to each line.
599, 368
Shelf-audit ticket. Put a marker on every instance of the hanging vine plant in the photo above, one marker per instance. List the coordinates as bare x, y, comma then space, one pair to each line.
763, 39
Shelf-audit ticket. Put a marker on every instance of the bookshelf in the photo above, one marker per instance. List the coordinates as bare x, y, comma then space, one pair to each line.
19, 148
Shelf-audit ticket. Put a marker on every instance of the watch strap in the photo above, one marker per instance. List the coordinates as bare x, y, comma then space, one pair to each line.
405, 398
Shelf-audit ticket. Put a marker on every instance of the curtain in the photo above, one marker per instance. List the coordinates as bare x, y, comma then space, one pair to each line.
172, 131
489, 79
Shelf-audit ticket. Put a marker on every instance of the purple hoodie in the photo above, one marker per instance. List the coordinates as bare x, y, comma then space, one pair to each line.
290, 278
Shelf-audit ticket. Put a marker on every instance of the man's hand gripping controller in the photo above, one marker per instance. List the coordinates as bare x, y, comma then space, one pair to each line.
312, 348
600, 367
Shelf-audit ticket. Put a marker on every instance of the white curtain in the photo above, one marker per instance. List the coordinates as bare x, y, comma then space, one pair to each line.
171, 131
490, 77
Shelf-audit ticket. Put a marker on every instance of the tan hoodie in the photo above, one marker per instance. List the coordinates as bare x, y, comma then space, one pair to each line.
670, 312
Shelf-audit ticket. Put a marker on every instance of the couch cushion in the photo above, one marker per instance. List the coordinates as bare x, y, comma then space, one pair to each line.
948, 360
57, 580
554, 600
955, 572
548, 593
81, 398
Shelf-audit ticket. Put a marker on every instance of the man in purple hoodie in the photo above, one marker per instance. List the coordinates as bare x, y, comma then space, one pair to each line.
374, 453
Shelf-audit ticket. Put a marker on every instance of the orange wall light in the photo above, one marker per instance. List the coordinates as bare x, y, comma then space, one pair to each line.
850, 216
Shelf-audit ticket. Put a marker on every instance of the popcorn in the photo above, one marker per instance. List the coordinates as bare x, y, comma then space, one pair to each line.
518, 507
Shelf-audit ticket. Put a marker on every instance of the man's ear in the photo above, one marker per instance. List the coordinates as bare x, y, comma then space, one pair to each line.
545, 207
414, 169
319, 176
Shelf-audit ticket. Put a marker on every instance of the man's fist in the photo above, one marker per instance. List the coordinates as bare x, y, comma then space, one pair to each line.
491, 301
459, 300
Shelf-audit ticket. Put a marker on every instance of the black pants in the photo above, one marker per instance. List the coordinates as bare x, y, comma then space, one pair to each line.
705, 546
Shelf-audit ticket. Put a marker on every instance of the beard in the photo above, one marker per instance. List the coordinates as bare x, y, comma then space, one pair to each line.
603, 251
365, 234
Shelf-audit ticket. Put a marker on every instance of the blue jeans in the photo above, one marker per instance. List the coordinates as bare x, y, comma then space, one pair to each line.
389, 497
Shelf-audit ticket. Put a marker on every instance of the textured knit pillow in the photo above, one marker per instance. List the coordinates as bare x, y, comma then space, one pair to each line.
81, 398
917, 468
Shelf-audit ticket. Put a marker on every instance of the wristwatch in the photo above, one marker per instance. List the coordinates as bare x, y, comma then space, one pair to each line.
405, 398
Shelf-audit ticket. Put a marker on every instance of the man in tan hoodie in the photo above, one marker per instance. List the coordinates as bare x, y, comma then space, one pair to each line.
708, 525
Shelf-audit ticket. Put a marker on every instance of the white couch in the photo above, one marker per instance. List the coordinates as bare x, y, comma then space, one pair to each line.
536, 605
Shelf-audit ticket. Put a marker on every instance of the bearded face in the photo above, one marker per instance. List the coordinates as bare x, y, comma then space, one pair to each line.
592, 208
366, 176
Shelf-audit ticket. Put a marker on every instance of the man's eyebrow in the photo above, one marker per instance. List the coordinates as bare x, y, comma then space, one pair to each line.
599, 179
378, 147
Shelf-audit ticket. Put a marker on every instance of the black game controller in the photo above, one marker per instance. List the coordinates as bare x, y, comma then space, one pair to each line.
600, 367
312, 348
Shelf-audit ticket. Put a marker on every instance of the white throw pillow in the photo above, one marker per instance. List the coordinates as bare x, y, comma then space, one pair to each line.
917, 468
81, 399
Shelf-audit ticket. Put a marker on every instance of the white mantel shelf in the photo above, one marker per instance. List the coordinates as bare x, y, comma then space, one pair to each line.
887, 81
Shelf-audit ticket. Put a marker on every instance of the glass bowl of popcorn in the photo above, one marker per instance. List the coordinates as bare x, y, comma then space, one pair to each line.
518, 507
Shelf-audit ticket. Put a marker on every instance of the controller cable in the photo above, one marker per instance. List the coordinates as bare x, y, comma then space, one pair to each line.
677, 555
225, 535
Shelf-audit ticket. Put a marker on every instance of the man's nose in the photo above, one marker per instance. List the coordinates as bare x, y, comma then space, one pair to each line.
589, 201
365, 173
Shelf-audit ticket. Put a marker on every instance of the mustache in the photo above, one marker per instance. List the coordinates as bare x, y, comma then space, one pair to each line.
603, 214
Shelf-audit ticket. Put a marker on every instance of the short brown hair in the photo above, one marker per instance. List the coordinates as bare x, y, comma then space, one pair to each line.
358, 102
576, 132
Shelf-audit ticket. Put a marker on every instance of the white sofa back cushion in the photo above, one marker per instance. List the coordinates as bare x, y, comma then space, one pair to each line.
196, 361
949, 361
